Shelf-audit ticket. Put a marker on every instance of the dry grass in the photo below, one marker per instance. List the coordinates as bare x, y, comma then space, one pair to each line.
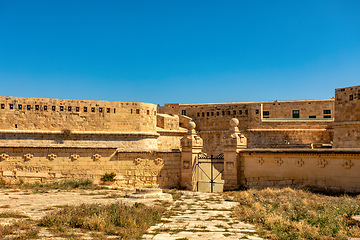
296, 214
128, 222
23, 229
66, 184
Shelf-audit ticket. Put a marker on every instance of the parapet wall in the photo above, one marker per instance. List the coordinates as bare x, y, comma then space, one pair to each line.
17, 113
133, 169
332, 169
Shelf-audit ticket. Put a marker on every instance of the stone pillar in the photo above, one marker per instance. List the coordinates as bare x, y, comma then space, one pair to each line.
191, 147
234, 141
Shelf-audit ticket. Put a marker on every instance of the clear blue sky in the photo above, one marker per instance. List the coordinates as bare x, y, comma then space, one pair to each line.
179, 51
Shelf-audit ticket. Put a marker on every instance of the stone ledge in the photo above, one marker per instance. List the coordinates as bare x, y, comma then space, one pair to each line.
310, 151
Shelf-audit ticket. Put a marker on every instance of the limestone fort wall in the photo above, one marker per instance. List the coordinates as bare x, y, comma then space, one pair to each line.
265, 124
18, 113
347, 117
324, 168
133, 169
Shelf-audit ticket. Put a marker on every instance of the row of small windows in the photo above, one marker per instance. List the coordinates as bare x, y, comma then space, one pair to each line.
70, 108
296, 114
223, 113
62, 108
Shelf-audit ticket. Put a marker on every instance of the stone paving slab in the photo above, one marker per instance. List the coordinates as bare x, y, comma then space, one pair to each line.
201, 216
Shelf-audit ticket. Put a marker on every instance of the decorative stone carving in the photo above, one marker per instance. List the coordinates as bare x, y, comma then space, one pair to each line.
235, 138
74, 157
299, 162
260, 161
186, 164
158, 161
278, 161
96, 157
191, 140
52, 156
4, 157
321, 163
230, 166
137, 161
28, 156
347, 163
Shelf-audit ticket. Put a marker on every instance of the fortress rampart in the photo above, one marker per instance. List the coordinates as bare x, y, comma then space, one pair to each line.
40, 114
269, 144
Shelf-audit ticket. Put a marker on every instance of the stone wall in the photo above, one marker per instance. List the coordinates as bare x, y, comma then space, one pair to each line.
17, 113
347, 118
274, 129
133, 169
332, 169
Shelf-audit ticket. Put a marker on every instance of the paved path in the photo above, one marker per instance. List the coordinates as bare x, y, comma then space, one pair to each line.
201, 216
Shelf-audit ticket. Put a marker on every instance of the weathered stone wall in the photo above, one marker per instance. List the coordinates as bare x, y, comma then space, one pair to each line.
347, 118
168, 122
270, 138
133, 169
17, 113
307, 108
332, 169
347, 104
170, 140
272, 130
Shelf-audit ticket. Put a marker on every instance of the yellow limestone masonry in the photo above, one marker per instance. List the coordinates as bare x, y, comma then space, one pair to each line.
289, 143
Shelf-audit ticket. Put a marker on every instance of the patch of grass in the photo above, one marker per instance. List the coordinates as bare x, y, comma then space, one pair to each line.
108, 177
66, 184
10, 214
294, 214
128, 222
23, 229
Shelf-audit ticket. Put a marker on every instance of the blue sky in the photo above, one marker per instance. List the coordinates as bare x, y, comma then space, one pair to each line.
179, 51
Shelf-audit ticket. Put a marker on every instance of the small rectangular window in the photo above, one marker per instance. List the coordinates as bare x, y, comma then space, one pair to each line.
53, 108
217, 113
327, 111
240, 112
228, 112
69, 109
183, 112
2, 106
207, 114
92, 109
296, 113
61, 108
313, 116
223, 113
246, 111
137, 111
85, 109
108, 110
19, 106
130, 111
234, 112
36, 107
198, 114
148, 112
11, 106
114, 110
351, 97
203, 114
327, 116
45, 108
77, 109
28, 107
266, 113
257, 111
212, 113
100, 109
